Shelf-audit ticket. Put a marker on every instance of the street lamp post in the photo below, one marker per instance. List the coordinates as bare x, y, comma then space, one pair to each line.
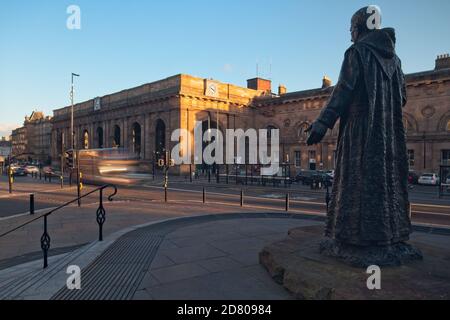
71, 112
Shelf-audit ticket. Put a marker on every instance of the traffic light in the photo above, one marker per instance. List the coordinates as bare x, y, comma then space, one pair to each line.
69, 159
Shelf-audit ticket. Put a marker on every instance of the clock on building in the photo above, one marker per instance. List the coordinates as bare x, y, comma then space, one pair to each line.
211, 89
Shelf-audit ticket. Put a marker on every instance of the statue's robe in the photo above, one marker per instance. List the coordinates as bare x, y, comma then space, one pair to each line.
369, 203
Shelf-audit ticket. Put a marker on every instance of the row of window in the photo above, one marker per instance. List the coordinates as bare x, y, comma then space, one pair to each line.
445, 158
409, 127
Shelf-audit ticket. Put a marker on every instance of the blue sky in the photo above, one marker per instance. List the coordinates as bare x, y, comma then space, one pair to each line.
123, 44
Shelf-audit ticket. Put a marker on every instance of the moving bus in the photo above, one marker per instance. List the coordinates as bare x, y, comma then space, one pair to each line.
115, 165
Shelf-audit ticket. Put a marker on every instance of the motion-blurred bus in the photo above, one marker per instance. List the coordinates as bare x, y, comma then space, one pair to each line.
116, 165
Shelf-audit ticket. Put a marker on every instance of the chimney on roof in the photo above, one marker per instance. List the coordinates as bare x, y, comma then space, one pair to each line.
281, 89
326, 82
443, 61
260, 84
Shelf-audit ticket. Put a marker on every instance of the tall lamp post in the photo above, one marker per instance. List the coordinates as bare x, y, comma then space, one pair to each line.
71, 113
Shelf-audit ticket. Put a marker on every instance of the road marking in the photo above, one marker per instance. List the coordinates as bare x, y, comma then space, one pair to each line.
431, 213
26, 193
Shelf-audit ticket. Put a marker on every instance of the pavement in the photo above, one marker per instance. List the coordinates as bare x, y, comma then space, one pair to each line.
183, 249
200, 257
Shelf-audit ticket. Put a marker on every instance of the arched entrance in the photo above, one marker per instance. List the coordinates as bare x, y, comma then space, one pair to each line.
116, 137
136, 139
100, 137
85, 142
160, 139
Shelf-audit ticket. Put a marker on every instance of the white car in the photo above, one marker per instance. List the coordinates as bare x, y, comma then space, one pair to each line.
430, 179
31, 169
330, 173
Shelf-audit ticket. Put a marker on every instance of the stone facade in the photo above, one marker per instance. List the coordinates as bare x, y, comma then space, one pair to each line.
142, 119
32, 141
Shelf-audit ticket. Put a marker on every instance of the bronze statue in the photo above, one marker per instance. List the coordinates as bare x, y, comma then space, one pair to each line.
368, 221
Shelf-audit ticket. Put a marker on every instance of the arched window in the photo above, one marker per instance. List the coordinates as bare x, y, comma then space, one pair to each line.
100, 137
85, 143
160, 139
116, 138
137, 139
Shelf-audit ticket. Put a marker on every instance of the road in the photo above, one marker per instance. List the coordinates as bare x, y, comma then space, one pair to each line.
426, 207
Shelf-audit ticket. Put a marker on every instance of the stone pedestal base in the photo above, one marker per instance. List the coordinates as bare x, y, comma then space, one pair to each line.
297, 264
363, 257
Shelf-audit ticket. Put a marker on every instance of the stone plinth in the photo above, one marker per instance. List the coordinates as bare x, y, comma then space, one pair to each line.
297, 264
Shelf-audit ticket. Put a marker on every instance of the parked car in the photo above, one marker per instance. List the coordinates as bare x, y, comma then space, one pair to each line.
324, 178
330, 173
305, 176
413, 178
48, 170
430, 179
19, 171
31, 169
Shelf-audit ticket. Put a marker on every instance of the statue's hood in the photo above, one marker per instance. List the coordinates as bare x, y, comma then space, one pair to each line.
381, 41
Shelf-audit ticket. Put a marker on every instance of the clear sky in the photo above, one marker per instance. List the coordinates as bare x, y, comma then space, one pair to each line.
123, 44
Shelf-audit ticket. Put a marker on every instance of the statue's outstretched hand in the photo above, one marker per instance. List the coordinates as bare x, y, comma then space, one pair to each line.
316, 132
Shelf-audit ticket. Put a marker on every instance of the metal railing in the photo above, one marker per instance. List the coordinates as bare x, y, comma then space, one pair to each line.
45, 238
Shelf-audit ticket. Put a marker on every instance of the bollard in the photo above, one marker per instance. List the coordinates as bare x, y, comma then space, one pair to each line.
165, 194
287, 202
40, 175
31, 204
204, 195
10, 180
190, 172
226, 172
62, 182
242, 197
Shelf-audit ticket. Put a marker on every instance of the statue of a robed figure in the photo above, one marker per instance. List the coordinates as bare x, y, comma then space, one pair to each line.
368, 221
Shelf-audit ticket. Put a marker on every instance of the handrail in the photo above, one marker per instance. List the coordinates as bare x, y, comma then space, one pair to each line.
45, 239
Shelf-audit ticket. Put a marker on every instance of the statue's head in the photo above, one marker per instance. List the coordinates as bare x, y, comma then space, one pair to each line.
365, 20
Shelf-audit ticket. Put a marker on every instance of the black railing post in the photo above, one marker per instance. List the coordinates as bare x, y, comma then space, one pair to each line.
218, 174
246, 174
242, 197
226, 172
45, 243
165, 193
10, 179
204, 195
79, 184
190, 172
101, 216
287, 202
32, 204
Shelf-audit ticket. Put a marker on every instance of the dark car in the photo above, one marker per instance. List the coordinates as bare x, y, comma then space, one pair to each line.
413, 178
305, 176
323, 178
19, 172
